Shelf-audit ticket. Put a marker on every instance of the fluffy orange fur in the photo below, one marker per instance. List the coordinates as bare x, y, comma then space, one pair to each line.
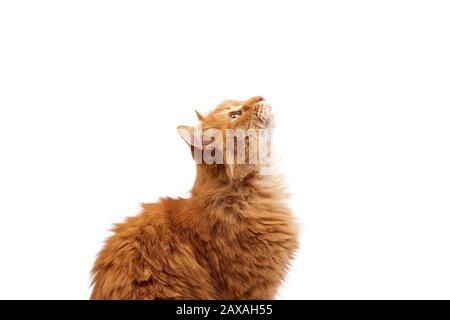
232, 239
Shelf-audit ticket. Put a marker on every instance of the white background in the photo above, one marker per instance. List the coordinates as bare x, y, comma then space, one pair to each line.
91, 93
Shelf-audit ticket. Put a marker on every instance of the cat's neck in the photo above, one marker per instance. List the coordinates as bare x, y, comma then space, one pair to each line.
214, 180
218, 200
213, 187
208, 179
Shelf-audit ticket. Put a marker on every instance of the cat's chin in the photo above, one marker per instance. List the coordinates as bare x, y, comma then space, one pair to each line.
264, 114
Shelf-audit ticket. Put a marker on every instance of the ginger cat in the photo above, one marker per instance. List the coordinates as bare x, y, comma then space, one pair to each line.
233, 239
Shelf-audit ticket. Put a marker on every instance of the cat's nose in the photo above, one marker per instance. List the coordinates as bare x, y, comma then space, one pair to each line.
254, 100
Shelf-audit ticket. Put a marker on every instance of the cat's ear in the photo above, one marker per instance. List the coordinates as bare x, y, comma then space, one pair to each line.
199, 116
188, 135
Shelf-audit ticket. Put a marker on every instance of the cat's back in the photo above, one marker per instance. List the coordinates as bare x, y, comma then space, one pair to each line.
146, 258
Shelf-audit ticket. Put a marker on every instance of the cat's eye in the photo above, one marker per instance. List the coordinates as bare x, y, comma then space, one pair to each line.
234, 115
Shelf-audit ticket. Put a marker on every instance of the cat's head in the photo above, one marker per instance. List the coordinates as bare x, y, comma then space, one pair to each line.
234, 136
